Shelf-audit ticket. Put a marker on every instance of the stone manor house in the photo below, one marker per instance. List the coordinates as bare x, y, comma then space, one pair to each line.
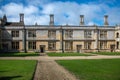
18, 37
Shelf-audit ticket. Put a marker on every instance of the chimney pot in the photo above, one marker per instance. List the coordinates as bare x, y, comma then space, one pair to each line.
21, 17
106, 20
81, 19
51, 19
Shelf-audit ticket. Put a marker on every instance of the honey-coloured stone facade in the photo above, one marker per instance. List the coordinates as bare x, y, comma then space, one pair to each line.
18, 37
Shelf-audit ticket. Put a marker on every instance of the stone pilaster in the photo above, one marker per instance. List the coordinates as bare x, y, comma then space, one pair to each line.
24, 40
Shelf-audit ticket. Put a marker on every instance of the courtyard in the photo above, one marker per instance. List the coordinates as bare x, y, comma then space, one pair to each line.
82, 66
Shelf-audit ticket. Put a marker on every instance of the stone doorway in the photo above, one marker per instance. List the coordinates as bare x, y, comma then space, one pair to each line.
112, 48
79, 48
42, 48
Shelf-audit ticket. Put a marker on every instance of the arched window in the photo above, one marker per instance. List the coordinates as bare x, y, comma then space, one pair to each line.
117, 35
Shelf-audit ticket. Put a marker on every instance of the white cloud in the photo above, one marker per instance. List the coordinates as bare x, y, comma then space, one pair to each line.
39, 19
37, 2
1, 13
12, 9
64, 12
30, 10
113, 13
91, 23
73, 10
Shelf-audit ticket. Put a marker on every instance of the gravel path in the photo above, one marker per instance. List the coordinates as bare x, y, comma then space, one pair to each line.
50, 70
62, 58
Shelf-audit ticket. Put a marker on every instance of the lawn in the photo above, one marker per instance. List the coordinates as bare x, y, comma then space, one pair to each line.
18, 54
107, 53
67, 54
102, 69
17, 69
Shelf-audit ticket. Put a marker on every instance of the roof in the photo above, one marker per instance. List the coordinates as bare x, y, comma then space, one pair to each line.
14, 24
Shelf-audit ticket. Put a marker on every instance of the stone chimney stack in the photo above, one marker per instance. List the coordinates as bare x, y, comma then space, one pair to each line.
21, 17
106, 20
81, 19
51, 19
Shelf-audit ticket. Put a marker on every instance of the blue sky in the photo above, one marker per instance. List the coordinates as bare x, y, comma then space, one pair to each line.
65, 11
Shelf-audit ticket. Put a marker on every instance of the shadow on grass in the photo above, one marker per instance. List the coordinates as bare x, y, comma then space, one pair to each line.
18, 54
3, 71
9, 77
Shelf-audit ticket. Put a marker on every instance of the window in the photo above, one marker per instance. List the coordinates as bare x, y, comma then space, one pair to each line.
68, 45
31, 33
0, 34
103, 34
51, 33
0, 46
15, 45
68, 33
31, 45
117, 35
51, 45
15, 33
103, 44
117, 45
88, 34
87, 45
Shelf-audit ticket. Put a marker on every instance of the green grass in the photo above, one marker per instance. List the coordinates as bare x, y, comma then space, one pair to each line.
107, 53
102, 69
18, 54
17, 69
67, 54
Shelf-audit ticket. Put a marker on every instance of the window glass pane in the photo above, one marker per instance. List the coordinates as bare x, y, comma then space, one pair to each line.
15, 34
87, 33
51, 45
51, 33
31, 45
32, 33
68, 33
68, 45
15, 45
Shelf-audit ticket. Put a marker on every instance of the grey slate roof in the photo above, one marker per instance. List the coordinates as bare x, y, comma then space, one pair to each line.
14, 24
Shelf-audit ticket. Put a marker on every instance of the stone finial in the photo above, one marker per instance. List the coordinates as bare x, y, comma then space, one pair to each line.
4, 18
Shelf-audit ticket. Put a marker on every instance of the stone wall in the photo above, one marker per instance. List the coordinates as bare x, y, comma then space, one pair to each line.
77, 37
